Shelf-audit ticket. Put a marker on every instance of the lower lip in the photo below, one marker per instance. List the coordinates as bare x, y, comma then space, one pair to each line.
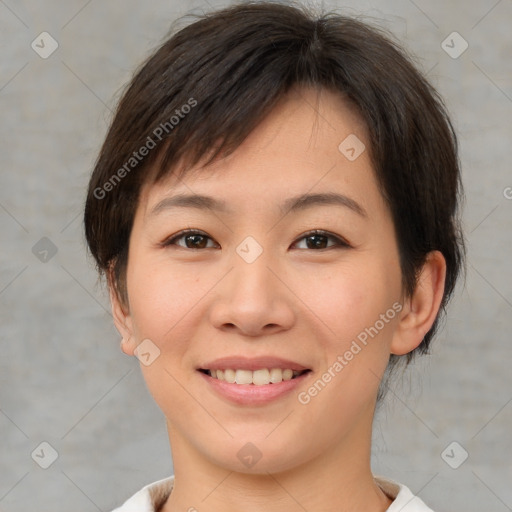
249, 394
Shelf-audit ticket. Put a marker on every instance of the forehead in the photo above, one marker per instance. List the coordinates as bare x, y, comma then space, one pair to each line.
313, 140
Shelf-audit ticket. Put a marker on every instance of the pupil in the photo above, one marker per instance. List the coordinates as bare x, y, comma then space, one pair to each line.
196, 240
319, 243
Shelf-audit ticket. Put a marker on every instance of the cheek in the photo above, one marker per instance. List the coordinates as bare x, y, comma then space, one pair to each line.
363, 312
161, 298
350, 300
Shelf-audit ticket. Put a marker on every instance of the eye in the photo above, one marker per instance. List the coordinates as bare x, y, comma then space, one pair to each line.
319, 239
195, 239
192, 239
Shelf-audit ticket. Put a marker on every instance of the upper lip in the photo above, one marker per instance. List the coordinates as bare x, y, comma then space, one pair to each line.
253, 363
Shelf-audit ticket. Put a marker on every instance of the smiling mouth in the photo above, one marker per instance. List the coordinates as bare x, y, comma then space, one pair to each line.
261, 377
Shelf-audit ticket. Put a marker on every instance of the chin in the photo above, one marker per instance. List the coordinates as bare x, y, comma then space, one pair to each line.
258, 457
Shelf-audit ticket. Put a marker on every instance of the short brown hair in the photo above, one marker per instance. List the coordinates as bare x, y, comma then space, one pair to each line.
211, 83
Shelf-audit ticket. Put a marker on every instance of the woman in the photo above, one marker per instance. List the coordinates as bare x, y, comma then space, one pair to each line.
275, 208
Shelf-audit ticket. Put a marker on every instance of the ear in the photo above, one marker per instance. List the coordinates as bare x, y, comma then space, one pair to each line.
420, 310
122, 320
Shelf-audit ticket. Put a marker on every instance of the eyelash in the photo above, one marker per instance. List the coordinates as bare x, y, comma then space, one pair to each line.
339, 241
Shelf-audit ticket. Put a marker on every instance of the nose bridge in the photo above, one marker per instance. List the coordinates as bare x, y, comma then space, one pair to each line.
252, 299
252, 279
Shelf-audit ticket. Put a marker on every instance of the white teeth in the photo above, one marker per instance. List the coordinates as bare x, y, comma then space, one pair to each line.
287, 374
276, 375
230, 376
243, 377
258, 377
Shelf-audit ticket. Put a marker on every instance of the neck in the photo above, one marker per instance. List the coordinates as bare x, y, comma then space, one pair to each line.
339, 481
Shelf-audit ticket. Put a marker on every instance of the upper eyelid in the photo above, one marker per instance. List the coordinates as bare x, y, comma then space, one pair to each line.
342, 241
184, 232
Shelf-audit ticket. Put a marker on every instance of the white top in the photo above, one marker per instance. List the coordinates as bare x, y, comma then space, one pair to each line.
153, 496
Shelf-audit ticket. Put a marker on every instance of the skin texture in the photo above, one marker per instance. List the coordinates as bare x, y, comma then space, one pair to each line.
294, 301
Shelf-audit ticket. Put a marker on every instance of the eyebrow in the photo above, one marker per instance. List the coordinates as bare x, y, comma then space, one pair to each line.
292, 204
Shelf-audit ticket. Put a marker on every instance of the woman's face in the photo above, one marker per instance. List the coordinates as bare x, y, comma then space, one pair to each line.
291, 263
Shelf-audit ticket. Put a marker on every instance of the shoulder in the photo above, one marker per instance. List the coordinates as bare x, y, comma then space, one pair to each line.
150, 498
404, 499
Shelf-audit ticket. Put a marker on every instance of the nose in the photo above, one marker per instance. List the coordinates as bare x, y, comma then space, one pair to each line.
252, 300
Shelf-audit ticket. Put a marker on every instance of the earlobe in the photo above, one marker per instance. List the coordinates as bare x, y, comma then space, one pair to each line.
421, 309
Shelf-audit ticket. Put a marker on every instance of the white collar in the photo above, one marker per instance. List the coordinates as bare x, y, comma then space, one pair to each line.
154, 495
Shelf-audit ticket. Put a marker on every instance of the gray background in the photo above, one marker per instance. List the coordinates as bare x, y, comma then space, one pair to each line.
63, 379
